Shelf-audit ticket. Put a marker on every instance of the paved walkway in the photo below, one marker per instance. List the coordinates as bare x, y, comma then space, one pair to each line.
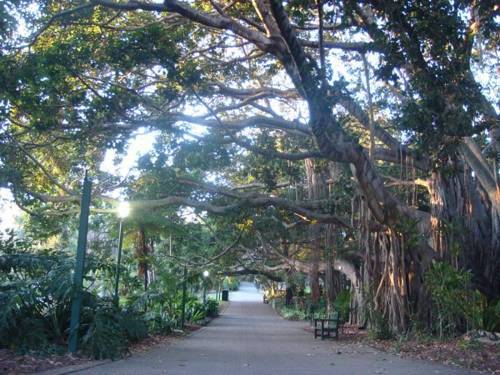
249, 338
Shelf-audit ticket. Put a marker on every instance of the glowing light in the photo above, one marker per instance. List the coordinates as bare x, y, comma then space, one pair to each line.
123, 210
206, 273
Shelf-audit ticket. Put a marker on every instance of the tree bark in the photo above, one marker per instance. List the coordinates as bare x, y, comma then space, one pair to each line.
141, 253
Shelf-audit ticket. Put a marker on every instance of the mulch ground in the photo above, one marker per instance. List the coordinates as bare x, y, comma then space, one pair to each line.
456, 352
13, 363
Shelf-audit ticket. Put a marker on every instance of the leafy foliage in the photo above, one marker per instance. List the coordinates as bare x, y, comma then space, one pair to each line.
458, 306
379, 326
211, 308
35, 301
231, 283
342, 304
104, 336
293, 313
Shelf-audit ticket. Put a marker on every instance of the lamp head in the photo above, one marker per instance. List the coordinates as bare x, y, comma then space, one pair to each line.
123, 210
206, 273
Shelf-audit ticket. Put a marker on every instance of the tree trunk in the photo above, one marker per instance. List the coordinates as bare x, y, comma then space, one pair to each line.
464, 226
314, 272
289, 291
315, 187
141, 253
462, 232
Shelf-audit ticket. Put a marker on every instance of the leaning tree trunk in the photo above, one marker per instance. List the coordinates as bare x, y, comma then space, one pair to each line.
141, 253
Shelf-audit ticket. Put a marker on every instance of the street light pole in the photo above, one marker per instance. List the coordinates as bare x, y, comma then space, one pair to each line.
184, 292
118, 261
123, 211
76, 302
205, 276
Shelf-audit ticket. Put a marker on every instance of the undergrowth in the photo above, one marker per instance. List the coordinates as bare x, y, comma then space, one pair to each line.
35, 304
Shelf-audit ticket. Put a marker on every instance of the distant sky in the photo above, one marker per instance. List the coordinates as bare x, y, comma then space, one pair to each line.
9, 210
138, 146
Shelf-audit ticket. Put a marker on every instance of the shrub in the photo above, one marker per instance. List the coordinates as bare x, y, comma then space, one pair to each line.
104, 336
34, 297
342, 304
292, 313
159, 322
491, 316
134, 325
457, 306
379, 327
106, 331
231, 283
195, 310
212, 308
35, 304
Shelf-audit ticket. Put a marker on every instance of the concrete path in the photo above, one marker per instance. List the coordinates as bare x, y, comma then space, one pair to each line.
249, 338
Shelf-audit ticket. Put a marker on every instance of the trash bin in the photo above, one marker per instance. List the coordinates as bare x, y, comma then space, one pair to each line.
225, 295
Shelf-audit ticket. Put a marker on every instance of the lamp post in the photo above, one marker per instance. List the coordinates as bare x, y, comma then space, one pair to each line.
76, 302
205, 275
122, 212
184, 292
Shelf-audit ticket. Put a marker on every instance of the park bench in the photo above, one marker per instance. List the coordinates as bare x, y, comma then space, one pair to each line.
324, 327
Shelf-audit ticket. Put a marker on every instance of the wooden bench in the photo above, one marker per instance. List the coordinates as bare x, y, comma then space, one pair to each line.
324, 327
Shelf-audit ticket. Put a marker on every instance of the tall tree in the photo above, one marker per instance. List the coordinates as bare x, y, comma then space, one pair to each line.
265, 80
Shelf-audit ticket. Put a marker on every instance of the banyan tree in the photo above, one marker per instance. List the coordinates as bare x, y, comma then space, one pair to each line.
347, 137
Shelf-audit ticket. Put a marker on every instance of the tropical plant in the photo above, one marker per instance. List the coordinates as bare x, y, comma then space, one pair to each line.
35, 296
458, 306
211, 308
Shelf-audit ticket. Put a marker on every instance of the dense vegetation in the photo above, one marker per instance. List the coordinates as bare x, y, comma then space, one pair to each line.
352, 142
36, 290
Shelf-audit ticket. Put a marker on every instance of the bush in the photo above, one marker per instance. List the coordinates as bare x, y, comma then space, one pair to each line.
107, 331
105, 336
158, 322
292, 313
491, 316
342, 304
212, 308
231, 283
34, 297
35, 305
379, 327
457, 306
195, 310
134, 325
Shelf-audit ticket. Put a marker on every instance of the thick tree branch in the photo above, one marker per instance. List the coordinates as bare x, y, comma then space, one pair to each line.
304, 210
474, 158
292, 156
